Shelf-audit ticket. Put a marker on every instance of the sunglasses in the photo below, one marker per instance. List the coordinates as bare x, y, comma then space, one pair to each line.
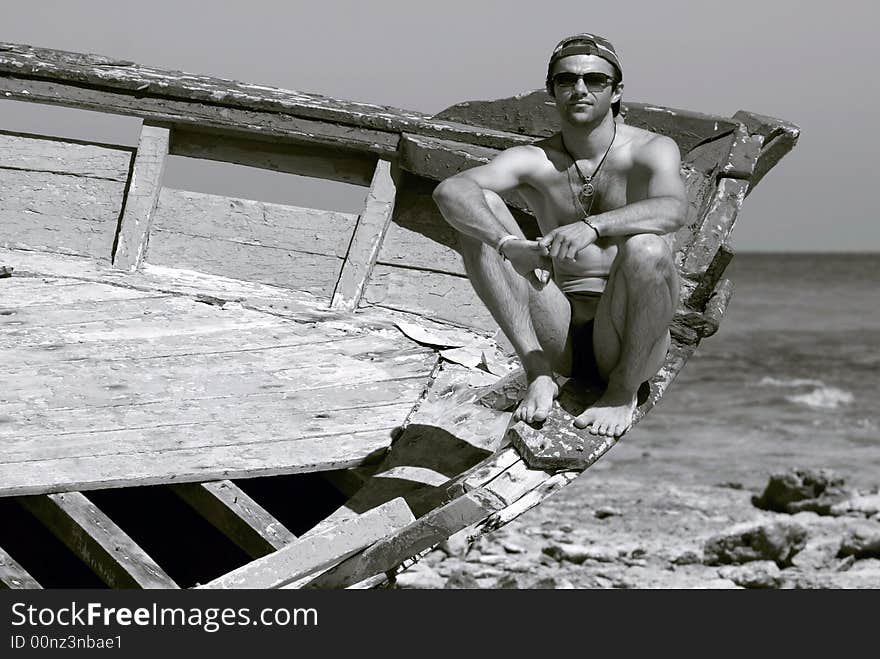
593, 81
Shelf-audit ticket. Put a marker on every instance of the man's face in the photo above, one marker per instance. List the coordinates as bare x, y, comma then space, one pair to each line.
576, 103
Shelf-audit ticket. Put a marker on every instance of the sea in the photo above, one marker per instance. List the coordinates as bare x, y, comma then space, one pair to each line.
791, 379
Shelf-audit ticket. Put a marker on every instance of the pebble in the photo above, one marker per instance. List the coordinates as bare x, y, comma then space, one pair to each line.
605, 512
512, 548
757, 574
861, 542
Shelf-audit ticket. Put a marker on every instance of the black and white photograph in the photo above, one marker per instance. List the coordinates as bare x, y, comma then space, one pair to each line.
438, 295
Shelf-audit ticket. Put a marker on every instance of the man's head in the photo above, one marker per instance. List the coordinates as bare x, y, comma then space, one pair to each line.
583, 54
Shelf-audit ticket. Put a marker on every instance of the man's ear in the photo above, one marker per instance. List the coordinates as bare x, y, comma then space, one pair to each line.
617, 94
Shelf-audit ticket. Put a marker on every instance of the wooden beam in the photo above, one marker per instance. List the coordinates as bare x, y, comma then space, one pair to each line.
242, 148
13, 576
368, 235
142, 197
319, 551
97, 541
142, 91
236, 515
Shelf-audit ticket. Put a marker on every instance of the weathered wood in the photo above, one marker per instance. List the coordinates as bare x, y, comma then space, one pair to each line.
712, 275
98, 541
13, 576
778, 138
144, 84
706, 323
188, 114
367, 239
55, 155
448, 434
266, 458
312, 273
236, 515
535, 114
182, 215
318, 551
717, 225
433, 294
68, 212
142, 196
5, 271
242, 148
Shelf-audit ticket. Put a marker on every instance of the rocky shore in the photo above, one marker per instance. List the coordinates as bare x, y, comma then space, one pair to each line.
805, 529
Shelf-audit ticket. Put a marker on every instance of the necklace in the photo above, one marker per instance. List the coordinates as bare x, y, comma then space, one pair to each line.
587, 189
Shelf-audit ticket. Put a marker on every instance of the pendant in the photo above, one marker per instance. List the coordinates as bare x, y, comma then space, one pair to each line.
587, 190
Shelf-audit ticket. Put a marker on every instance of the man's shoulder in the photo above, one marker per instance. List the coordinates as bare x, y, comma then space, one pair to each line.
646, 145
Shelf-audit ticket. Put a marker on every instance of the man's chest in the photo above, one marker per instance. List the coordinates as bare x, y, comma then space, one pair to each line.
562, 197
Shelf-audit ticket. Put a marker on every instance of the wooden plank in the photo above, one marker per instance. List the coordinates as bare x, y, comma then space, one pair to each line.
717, 225
143, 193
447, 434
98, 541
367, 239
182, 215
188, 115
317, 552
312, 273
156, 87
63, 213
264, 458
13, 576
245, 149
54, 155
51, 292
433, 294
236, 515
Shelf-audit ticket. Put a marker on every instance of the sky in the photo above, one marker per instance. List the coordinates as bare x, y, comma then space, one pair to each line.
809, 63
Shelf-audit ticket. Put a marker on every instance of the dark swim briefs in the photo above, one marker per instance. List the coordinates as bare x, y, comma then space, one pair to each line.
583, 358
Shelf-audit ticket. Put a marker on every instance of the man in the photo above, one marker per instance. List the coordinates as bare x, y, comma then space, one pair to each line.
604, 195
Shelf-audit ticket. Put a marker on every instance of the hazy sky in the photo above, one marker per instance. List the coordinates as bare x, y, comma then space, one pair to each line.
811, 63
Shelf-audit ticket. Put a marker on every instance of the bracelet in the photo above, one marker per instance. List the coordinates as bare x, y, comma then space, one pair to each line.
503, 242
586, 221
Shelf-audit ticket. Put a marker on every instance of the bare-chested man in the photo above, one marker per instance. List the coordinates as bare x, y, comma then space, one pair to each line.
604, 195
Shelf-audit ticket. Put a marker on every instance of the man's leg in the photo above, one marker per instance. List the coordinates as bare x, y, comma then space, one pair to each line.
535, 320
631, 331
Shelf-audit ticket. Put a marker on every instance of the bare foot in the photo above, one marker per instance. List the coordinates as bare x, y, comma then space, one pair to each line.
611, 415
536, 404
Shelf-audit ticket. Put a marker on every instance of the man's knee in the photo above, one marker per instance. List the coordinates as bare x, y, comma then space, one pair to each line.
647, 253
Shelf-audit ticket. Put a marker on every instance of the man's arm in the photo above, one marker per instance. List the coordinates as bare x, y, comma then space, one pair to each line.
462, 203
656, 203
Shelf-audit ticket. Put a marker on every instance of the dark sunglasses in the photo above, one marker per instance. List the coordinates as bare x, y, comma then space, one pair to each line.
593, 81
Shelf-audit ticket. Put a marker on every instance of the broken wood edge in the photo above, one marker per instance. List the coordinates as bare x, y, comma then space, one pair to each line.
316, 552
235, 514
366, 241
13, 576
141, 196
96, 539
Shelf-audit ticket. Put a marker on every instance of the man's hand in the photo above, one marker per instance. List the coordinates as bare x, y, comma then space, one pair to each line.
529, 259
566, 241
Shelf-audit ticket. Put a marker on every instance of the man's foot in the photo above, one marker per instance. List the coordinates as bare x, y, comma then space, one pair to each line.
611, 415
536, 404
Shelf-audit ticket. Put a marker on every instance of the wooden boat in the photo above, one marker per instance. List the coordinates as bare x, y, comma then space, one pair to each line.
158, 341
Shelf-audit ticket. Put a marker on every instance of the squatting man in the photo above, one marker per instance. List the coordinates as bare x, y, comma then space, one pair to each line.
594, 296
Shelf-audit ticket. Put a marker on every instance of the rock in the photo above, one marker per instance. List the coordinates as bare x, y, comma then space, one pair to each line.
572, 553
425, 578
757, 574
512, 548
492, 559
508, 582
488, 573
566, 528
802, 489
455, 545
553, 583
773, 541
861, 542
716, 584
818, 554
606, 511
688, 557
865, 504
435, 557
461, 580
